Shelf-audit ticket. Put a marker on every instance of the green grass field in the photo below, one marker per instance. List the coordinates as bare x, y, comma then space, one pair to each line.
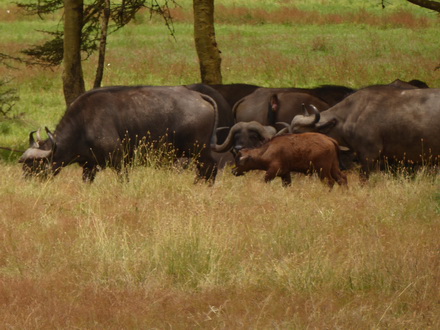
162, 252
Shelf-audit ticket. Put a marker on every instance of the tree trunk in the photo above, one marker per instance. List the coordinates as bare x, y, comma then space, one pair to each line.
433, 5
206, 46
102, 44
73, 81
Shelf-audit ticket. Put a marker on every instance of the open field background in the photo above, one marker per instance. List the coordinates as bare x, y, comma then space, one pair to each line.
161, 252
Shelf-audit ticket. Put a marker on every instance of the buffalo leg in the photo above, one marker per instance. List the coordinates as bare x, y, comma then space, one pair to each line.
286, 179
207, 167
122, 170
368, 163
123, 174
89, 173
364, 173
271, 174
325, 174
340, 178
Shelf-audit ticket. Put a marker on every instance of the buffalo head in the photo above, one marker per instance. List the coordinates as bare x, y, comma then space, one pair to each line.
243, 162
245, 135
37, 158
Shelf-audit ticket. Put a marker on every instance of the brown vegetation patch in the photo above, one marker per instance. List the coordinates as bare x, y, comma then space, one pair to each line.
290, 15
293, 15
13, 13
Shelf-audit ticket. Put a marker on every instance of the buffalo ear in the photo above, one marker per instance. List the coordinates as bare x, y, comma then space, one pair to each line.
274, 107
327, 126
243, 160
274, 102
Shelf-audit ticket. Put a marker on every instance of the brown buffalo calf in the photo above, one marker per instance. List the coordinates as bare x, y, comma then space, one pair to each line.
304, 153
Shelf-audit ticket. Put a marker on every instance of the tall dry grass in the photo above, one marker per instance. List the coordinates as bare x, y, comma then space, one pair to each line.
162, 252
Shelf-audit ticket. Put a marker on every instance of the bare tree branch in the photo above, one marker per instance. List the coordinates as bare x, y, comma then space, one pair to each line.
433, 5
102, 44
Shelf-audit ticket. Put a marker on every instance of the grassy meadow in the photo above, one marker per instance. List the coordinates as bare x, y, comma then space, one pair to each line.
163, 252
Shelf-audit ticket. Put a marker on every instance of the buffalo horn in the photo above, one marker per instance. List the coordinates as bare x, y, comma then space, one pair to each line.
34, 153
287, 128
32, 142
39, 136
306, 113
306, 120
267, 132
221, 128
51, 137
271, 131
227, 144
316, 113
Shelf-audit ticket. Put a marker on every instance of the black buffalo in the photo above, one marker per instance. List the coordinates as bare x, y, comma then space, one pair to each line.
225, 117
234, 92
105, 126
414, 83
271, 105
225, 120
382, 123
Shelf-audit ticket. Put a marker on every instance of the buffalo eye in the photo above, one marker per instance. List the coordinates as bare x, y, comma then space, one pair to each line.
255, 137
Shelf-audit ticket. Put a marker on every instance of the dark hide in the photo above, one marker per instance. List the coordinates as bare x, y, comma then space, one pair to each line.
270, 105
409, 84
225, 117
286, 105
383, 123
104, 126
234, 92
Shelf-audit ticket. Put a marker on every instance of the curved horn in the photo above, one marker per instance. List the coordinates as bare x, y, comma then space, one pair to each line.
50, 135
221, 128
39, 136
270, 130
227, 144
32, 142
262, 130
34, 153
316, 113
306, 113
51, 138
287, 128
306, 119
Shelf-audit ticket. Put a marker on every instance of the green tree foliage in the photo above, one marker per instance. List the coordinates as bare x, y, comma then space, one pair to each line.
85, 30
8, 96
50, 53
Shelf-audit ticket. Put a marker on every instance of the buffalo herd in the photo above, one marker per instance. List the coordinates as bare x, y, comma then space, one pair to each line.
279, 130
